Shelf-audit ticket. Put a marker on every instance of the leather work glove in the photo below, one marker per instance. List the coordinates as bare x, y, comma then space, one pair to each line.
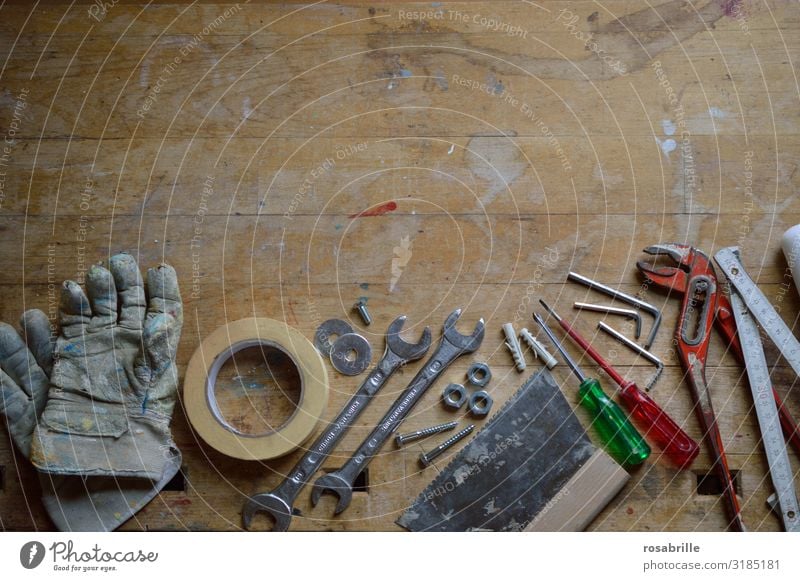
92, 412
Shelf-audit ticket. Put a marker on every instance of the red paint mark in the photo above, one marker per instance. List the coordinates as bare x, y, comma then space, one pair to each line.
181, 502
630, 510
377, 210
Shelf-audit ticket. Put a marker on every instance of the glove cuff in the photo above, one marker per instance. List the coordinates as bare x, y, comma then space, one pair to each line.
80, 504
107, 442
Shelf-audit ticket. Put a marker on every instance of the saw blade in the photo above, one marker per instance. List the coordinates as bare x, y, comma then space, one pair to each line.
511, 470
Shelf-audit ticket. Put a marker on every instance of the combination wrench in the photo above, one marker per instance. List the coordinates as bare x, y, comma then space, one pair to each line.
278, 503
452, 345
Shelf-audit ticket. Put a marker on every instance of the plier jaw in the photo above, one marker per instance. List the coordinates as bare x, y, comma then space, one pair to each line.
690, 262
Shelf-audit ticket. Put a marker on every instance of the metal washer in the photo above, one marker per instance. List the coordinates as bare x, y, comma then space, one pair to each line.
343, 346
328, 329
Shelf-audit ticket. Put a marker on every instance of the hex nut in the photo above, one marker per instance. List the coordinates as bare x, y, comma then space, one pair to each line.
480, 404
479, 374
454, 396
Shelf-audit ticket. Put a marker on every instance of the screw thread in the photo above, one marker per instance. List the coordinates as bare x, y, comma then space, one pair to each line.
424, 433
361, 307
426, 459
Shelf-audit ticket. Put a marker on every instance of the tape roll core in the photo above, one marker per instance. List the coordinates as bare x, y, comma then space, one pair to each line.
210, 356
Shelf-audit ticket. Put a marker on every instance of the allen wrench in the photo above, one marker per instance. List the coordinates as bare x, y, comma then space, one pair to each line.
624, 297
638, 350
629, 313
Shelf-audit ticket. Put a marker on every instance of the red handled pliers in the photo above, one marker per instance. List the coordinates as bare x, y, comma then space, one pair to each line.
695, 278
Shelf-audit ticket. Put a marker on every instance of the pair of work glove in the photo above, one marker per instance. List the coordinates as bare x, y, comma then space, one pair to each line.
91, 410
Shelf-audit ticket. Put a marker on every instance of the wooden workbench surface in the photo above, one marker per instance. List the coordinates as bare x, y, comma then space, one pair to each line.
288, 159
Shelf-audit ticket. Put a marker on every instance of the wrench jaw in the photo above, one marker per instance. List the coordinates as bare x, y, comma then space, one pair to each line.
403, 349
666, 277
691, 263
270, 504
332, 483
464, 343
680, 253
669, 277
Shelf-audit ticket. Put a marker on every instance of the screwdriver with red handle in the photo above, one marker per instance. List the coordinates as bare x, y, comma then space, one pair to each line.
679, 447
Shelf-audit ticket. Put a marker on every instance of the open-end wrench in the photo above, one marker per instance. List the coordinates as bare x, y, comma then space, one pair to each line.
452, 346
278, 503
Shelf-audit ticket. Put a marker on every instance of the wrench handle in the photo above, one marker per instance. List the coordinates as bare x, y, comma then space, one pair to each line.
708, 421
327, 440
425, 378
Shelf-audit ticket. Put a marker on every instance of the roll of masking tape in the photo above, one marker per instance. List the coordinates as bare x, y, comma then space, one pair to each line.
791, 250
219, 347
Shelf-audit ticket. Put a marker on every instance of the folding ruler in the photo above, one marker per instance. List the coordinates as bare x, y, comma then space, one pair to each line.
749, 302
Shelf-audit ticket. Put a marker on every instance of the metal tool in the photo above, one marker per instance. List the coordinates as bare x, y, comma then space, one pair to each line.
452, 345
539, 349
631, 300
656, 423
351, 354
480, 403
638, 350
624, 443
454, 396
765, 315
726, 324
761, 385
403, 439
760, 307
479, 374
426, 458
328, 330
780, 470
361, 307
695, 278
629, 313
531, 467
512, 343
278, 503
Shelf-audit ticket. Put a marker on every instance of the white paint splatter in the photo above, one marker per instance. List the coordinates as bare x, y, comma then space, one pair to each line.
717, 113
452, 149
246, 110
667, 146
668, 126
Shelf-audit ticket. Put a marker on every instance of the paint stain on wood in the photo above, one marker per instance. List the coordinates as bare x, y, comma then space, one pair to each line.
379, 210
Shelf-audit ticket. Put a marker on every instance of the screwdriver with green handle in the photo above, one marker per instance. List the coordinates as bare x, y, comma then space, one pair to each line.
623, 442
656, 424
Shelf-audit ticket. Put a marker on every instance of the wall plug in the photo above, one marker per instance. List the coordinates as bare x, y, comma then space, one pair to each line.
514, 347
538, 348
